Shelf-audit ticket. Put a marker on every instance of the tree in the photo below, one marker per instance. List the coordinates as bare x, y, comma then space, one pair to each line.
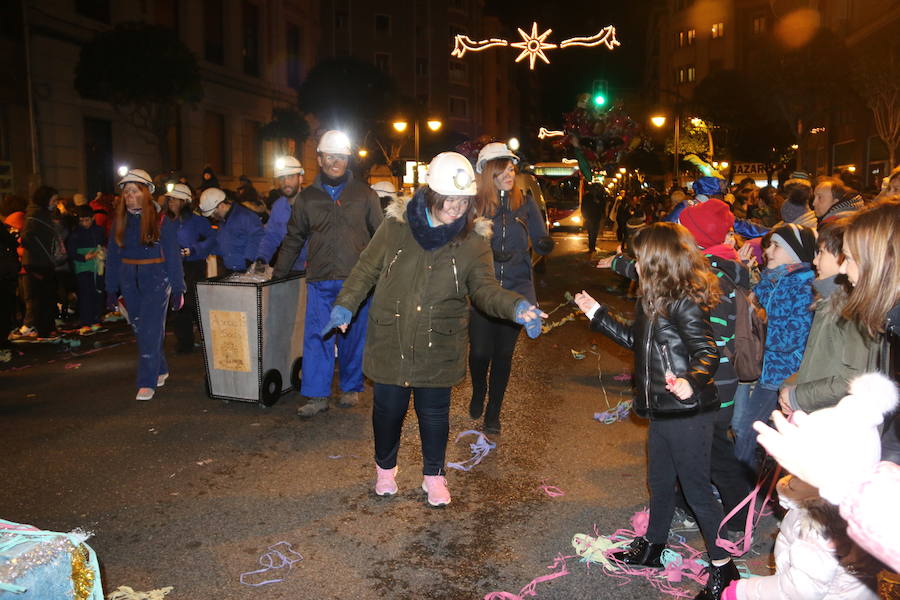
145, 73
877, 69
286, 124
349, 94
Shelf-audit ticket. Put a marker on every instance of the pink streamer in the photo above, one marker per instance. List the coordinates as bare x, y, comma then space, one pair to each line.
529, 590
552, 490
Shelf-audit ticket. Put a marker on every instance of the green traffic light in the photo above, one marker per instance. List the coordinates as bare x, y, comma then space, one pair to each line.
599, 100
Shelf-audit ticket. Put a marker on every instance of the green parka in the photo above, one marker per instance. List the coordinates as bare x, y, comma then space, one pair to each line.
419, 317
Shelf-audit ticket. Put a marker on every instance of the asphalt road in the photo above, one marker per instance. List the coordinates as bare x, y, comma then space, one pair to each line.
189, 492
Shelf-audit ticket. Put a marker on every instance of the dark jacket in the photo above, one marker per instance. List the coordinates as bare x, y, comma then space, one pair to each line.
38, 237
337, 230
195, 232
418, 325
510, 244
692, 351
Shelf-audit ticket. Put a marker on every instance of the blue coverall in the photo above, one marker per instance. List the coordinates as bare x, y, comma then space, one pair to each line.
146, 275
238, 238
275, 230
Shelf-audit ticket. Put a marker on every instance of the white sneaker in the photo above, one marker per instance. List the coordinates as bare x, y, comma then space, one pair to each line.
161, 380
145, 394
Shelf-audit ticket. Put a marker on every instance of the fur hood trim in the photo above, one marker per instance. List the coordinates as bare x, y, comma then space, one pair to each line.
396, 210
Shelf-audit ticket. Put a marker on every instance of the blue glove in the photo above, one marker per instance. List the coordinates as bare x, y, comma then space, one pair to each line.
533, 327
339, 316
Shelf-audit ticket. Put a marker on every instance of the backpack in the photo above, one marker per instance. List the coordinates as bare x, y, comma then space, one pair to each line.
749, 336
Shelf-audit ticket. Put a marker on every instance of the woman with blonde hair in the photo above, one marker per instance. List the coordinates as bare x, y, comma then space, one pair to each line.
675, 358
517, 228
144, 266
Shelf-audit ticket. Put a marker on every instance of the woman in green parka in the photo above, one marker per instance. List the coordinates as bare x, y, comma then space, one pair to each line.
429, 258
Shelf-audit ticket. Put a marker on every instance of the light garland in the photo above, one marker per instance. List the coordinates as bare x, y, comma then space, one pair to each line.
533, 45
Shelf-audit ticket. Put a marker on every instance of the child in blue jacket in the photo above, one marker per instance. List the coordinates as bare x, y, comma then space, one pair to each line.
785, 291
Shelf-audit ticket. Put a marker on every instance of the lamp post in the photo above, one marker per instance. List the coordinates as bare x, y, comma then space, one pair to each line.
659, 121
400, 126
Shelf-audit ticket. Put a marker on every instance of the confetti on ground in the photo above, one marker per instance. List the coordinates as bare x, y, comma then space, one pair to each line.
204, 462
622, 377
480, 448
551, 490
613, 415
280, 556
73, 365
333, 456
560, 569
577, 354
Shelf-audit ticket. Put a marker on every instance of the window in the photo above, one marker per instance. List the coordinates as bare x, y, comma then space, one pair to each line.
459, 72
93, 9
340, 19
691, 74
382, 24
691, 36
682, 75
422, 67
214, 141
213, 36
759, 25
250, 48
383, 62
459, 107
718, 30
293, 64
681, 37
251, 149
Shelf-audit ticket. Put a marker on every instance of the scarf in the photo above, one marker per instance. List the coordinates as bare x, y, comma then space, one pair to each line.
430, 238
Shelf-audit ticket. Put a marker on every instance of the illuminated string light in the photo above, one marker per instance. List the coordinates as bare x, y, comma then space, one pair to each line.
543, 132
533, 45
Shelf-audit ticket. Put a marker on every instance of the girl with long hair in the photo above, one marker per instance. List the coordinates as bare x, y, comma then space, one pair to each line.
517, 228
675, 358
144, 266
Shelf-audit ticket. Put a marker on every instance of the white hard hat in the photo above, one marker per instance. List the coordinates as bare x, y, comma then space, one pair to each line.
180, 191
138, 176
384, 188
210, 199
450, 174
492, 151
334, 142
288, 165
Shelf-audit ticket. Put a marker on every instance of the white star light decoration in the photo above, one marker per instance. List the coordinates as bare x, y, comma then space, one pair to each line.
533, 45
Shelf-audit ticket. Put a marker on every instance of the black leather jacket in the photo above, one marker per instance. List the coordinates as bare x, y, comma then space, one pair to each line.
691, 347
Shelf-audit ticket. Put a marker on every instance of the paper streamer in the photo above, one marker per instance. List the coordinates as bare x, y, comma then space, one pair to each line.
613, 415
279, 556
551, 490
480, 448
560, 569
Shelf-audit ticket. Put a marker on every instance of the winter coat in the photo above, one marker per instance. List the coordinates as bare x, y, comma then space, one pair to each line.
238, 238
38, 237
842, 208
195, 233
82, 241
806, 567
786, 293
419, 317
731, 274
337, 229
132, 248
692, 353
836, 353
275, 232
510, 244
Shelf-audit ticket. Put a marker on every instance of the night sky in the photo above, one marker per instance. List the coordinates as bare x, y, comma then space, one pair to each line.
572, 71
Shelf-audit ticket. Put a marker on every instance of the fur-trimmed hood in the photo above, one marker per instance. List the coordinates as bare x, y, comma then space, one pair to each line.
396, 210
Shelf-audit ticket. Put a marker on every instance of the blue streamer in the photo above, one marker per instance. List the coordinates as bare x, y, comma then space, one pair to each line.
480, 448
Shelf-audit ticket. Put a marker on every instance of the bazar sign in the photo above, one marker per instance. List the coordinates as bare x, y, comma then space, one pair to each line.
749, 169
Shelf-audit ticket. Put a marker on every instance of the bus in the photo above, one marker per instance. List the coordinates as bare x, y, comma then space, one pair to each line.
562, 186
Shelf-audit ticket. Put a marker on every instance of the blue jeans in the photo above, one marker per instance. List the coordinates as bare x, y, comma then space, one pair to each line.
433, 411
318, 351
757, 407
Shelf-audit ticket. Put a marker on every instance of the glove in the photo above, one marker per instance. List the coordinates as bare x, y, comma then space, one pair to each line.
339, 316
259, 266
177, 301
532, 327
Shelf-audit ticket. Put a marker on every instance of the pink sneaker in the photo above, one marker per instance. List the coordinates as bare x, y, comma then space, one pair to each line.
436, 487
385, 485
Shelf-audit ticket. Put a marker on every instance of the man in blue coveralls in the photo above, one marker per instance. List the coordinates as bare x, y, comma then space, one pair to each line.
239, 229
289, 175
337, 215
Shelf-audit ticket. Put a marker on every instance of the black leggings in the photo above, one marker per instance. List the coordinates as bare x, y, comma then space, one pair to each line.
491, 345
679, 449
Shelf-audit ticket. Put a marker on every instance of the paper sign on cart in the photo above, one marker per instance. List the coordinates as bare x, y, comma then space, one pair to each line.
230, 347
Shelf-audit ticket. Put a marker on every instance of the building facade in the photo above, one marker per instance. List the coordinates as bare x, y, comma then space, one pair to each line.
252, 54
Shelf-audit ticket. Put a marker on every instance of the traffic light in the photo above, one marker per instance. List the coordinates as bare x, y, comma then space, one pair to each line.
600, 92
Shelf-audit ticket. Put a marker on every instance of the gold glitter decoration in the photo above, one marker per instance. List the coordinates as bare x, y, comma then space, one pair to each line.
82, 573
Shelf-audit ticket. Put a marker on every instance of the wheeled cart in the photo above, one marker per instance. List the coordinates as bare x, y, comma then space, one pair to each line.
252, 337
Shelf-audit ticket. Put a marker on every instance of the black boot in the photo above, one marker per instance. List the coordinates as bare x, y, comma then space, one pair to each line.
641, 552
719, 579
492, 416
476, 406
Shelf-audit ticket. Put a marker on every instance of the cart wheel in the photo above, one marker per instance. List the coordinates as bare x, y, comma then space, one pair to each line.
271, 388
296, 370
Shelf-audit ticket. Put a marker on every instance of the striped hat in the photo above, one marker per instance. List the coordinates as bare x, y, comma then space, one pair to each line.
799, 178
797, 240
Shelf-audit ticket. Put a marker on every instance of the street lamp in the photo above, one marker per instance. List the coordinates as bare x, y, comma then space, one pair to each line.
658, 120
401, 126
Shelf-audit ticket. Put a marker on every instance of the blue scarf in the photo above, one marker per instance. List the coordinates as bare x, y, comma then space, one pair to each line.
430, 238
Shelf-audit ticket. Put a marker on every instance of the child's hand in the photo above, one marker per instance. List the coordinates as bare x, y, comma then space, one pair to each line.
585, 302
605, 263
746, 255
784, 400
681, 388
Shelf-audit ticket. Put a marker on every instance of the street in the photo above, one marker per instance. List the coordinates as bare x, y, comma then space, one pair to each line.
189, 492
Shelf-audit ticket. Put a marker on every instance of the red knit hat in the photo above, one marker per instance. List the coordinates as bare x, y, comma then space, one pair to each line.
709, 222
